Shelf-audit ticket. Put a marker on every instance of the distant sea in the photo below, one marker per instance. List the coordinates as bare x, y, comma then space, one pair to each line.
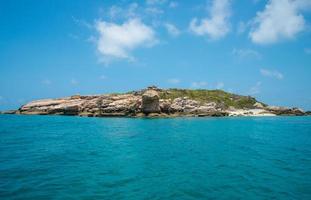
55, 157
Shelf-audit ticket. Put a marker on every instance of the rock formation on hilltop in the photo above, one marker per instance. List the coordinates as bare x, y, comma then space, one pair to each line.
154, 101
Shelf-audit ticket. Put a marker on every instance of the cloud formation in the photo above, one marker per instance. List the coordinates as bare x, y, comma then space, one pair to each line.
116, 41
281, 19
272, 73
173, 4
173, 80
217, 25
255, 89
200, 84
246, 53
172, 29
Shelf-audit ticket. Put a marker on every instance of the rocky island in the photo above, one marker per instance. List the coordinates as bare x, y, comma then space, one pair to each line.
156, 102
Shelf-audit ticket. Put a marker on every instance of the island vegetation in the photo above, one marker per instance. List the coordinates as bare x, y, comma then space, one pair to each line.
156, 102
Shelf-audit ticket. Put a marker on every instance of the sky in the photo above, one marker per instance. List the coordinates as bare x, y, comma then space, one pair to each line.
59, 48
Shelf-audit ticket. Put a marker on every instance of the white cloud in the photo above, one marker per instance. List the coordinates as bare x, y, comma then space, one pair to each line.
220, 85
255, 89
281, 19
200, 84
272, 73
173, 81
303, 4
217, 26
116, 41
173, 4
246, 53
172, 29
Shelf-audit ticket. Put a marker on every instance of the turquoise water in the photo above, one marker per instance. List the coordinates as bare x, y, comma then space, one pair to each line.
54, 157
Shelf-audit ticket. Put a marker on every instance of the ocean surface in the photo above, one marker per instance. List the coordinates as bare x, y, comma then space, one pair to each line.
55, 157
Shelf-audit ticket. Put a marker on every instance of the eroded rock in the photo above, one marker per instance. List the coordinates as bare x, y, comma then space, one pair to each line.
150, 102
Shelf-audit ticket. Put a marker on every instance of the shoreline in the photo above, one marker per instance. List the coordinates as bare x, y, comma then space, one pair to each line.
154, 102
160, 116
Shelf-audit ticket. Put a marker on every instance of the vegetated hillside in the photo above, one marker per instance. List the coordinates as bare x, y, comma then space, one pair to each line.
153, 101
218, 96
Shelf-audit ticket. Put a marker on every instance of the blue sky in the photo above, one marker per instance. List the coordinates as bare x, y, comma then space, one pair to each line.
59, 48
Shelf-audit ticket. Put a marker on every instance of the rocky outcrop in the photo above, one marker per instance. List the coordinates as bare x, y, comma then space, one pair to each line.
104, 105
150, 102
154, 102
8, 112
285, 111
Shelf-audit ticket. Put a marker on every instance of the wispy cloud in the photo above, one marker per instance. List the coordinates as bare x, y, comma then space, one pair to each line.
173, 4
308, 51
217, 25
154, 11
116, 41
173, 80
172, 29
272, 73
200, 84
246, 53
220, 85
281, 19
255, 89
155, 2
117, 12
82, 22
46, 82
73, 81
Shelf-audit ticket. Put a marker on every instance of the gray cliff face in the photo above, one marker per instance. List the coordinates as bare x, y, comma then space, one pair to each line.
147, 102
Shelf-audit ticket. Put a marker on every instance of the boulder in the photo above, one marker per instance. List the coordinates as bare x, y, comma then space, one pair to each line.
150, 102
258, 105
165, 105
